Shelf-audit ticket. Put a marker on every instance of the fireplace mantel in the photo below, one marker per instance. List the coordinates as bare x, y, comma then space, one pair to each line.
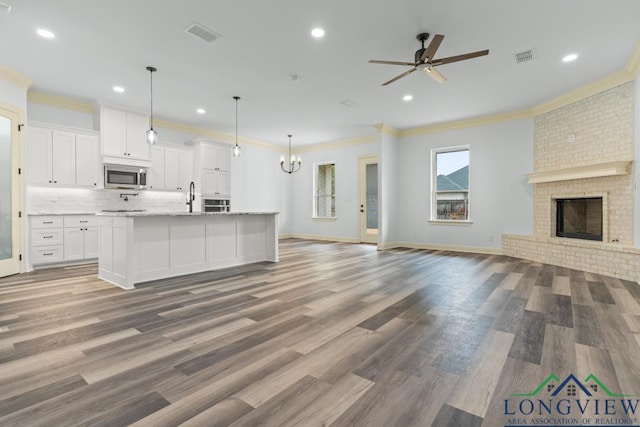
621, 167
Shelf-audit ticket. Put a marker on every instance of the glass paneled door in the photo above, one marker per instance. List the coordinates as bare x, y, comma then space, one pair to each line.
368, 198
9, 194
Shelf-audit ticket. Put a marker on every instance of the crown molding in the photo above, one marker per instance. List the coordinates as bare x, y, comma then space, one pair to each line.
60, 101
633, 66
213, 134
336, 144
467, 123
12, 76
616, 79
388, 129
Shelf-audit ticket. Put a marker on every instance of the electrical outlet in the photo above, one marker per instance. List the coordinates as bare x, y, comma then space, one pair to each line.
571, 137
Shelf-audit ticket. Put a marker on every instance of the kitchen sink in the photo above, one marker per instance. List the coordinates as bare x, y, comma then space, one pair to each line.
124, 210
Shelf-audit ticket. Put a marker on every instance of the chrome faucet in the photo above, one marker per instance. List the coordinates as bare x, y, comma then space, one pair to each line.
192, 196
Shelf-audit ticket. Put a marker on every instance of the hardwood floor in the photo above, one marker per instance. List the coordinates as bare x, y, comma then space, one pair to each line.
334, 334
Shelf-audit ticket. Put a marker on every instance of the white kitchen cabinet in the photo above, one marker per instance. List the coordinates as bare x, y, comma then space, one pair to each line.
62, 157
63, 238
215, 183
186, 169
178, 168
216, 157
171, 169
123, 134
87, 160
80, 243
155, 175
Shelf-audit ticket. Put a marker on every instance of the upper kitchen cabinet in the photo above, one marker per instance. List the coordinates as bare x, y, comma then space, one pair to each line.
216, 157
62, 156
212, 168
124, 137
171, 169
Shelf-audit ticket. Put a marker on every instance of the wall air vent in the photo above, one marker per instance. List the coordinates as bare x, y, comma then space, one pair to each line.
525, 56
202, 32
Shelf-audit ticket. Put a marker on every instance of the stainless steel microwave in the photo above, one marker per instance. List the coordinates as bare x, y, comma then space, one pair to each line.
129, 177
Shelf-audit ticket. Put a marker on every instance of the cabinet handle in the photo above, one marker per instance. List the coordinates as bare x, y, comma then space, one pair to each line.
94, 184
49, 182
48, 254
47, 237
55, 182
47, 222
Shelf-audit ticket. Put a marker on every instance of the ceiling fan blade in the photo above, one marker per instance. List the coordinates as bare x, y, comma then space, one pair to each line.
406, 73
457, 58
374, 61
435, 74
433, 46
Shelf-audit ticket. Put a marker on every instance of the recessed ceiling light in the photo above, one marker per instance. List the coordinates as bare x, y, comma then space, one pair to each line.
317, 33
571, 57
200, 111
45, 33
118, 89
407, 98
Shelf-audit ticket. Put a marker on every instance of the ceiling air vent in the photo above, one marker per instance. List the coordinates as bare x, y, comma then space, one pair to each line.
202, 32
525, 56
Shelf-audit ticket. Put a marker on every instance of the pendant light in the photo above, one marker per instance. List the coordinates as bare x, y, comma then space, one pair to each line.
292, 162
236, 149
152, 135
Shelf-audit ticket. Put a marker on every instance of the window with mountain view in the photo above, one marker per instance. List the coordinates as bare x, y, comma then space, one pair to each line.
450, 184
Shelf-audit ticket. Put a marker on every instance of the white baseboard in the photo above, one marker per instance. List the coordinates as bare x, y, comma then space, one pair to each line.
315, 237
435, 247
392, 245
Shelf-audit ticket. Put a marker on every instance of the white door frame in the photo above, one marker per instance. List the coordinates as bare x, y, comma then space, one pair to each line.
364, 235
15, 264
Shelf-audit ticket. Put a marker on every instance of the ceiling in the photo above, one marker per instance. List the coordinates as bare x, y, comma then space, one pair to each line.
263, 43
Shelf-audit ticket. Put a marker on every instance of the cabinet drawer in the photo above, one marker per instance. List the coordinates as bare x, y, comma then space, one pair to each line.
46, 236
46, 222
44, 254
80, 221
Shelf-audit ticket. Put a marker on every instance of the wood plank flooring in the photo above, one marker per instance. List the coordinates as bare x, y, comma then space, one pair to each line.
334, 334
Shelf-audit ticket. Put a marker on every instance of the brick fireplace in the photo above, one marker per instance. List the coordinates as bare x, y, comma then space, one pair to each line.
584, 151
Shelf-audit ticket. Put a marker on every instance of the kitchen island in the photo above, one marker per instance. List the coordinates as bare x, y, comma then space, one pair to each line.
137, 247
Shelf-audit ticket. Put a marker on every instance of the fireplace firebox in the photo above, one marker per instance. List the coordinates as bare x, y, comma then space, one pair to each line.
579, 218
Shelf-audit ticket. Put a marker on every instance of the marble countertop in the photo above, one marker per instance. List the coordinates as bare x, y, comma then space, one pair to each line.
147, 214
59, 213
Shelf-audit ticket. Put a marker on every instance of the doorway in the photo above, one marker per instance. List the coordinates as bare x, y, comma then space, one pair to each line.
10, 257
368, 198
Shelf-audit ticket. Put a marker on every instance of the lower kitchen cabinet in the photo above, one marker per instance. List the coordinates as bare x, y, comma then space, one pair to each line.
62, 238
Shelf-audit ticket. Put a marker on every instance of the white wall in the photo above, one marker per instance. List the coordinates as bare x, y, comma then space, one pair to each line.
500, 199
13, 95
345, 227
636, 166
258, 184
388, 197
60, 116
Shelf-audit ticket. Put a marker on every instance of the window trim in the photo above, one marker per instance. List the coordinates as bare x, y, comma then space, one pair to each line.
433, 216
314, 192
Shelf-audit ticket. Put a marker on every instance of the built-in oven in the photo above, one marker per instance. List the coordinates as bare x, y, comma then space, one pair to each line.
129, 177
216, 205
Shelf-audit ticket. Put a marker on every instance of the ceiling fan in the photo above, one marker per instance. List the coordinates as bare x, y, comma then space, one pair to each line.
424, 59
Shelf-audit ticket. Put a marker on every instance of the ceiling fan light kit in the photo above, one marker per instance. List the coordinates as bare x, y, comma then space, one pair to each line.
423, 59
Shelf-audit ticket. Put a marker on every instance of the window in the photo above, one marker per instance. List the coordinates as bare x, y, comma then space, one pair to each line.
324, 181
450, 184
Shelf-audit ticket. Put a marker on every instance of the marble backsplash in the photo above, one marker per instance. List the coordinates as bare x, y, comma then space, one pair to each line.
80, 200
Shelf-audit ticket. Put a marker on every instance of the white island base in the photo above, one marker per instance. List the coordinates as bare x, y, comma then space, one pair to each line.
137, 247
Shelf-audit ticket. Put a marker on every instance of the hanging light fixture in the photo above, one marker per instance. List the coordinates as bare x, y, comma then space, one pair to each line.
292, 162
152, 135
236, 149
